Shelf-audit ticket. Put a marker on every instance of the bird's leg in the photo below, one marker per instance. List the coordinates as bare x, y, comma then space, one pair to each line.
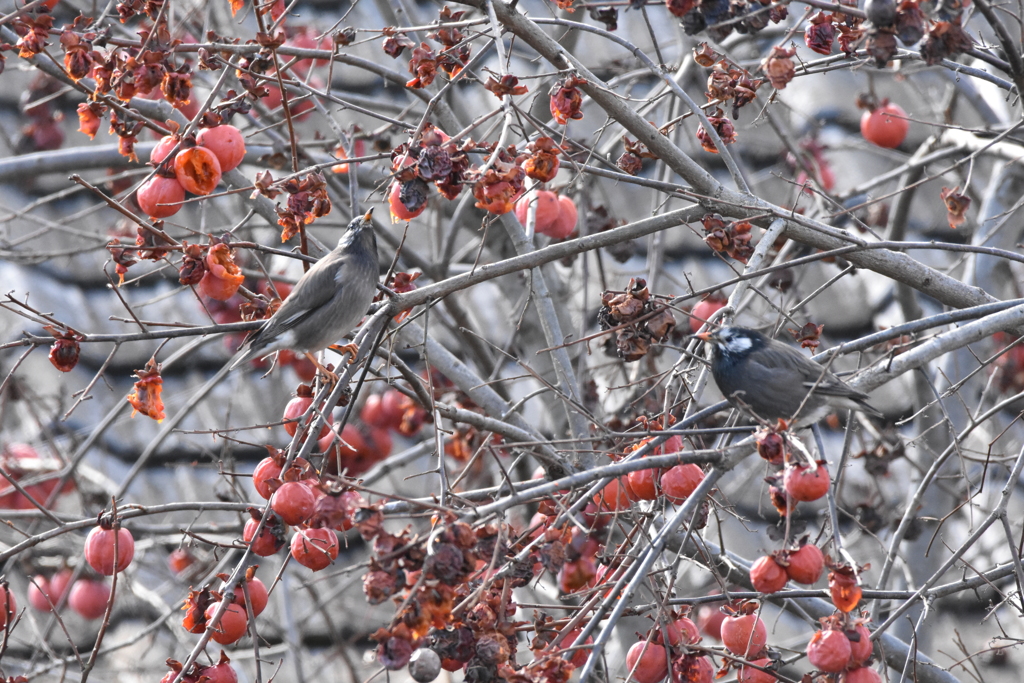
351, 349
332, 378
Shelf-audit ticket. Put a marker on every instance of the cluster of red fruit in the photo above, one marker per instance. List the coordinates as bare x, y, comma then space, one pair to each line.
676, 483
843, 645
556, 215
798, 481
360, 446
221, 672
22, 462
296, 493
803, 564
580, 548
298, 498
196, 167
87, 596
201, 608
436, 159
664, 650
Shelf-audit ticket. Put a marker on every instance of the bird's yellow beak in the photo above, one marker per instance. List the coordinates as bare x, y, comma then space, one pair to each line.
368, 216
705, 336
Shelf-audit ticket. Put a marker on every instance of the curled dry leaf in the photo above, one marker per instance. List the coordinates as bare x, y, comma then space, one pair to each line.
34, 30
193, 264
307, 201
395, 42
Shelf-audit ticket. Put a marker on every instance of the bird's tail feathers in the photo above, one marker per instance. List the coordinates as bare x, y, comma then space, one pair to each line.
867, 408
245, 354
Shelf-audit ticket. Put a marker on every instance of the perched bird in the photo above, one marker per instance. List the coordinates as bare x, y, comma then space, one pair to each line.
327, 302
774, 380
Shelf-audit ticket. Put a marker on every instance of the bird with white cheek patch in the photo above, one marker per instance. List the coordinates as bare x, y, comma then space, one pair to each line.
773, 380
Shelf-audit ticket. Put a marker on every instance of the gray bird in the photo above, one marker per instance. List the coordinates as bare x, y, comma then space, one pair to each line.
327, 302
774, 380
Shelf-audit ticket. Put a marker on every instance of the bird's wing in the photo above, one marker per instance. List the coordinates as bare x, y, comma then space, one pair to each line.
813, 375
313, 290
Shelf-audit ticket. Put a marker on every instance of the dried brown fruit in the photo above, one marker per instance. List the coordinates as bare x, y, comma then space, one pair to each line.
506, 85
844, 586
629, 163
809, 336
423, 65
723, 126
566, 99
90, 115
957, 204
497, 190
910, 22
778, 67
65, 349
542, 163
145, 397
820, 34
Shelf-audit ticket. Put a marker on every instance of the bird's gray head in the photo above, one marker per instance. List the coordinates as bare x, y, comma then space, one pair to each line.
361, 226
733, 341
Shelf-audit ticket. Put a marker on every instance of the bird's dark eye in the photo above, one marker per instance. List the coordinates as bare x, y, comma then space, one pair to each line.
737, 344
